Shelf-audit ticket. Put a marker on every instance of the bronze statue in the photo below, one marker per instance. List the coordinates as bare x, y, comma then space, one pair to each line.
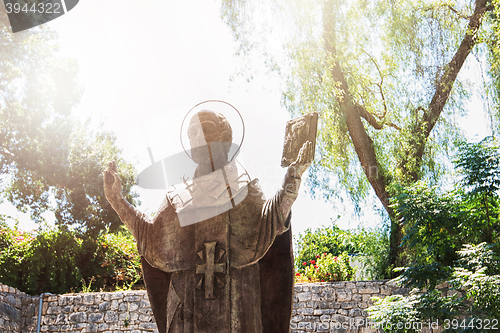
230, 270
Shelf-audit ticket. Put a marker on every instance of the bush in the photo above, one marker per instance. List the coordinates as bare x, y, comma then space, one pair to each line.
441, 230
331, 240
121, 259
477, 282
326, 268
371, 244
59, 261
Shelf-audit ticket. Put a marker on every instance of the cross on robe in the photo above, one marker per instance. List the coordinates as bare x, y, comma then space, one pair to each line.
210, 268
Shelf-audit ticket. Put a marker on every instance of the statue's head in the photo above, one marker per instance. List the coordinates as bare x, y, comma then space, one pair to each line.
210, 136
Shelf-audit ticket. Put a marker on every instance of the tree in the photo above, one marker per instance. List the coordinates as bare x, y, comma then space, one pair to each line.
60, 261
48, 160
384, 76
441, 231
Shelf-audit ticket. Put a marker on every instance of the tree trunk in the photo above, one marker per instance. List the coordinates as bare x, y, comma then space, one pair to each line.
362, 142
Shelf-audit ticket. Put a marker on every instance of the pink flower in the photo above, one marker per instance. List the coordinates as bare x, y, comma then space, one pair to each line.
317, 256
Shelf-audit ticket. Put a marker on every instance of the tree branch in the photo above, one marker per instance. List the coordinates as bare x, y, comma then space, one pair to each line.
445, 84
368, 116
446, 81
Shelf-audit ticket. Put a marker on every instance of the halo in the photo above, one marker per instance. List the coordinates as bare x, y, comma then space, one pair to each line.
214, 101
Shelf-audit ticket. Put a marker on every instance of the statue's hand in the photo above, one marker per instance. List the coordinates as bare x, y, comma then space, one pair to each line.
112, 183
303, 161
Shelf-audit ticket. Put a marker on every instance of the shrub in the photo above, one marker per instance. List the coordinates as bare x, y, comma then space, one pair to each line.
56, 260
441, 229
372, 244
121, 259
331, 240
326, 268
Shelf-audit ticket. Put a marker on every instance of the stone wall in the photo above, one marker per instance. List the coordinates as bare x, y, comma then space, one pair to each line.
337, 306
10, 309
127, 311
320, 307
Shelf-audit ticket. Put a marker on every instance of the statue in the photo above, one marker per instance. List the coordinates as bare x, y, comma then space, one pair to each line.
230, 270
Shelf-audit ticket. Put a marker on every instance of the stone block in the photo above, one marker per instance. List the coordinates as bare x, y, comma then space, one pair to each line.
147, 326
133, 306
65, 328
131, 299
145, 318
304, 296
343, 295
61, 319
104, 306
88, 299
356, 312
92, 328
54, 310
49, 320
340, 318
77, 300
54, 328
369, 290
349, 305
103, 327
385, 290
114, 305
305, 311
312, 304
78, 317
111, 316
50, 298
118, 295
67, 309
95, 317
62, 301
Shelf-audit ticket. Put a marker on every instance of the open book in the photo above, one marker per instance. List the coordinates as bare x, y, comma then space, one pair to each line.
298, 131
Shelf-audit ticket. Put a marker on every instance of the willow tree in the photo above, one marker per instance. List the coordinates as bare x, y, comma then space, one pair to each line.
384, 76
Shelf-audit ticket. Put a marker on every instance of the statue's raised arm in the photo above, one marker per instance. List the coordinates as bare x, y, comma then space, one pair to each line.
291, 183
131, 217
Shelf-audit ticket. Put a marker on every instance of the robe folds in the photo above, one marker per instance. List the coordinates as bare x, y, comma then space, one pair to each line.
221, 275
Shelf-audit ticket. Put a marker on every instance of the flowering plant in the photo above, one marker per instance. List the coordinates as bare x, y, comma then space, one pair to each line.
326, 268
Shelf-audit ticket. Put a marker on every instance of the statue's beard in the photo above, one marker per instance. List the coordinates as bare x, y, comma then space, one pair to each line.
214, 154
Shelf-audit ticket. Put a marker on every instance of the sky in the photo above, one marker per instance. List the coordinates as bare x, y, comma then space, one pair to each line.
145, 64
